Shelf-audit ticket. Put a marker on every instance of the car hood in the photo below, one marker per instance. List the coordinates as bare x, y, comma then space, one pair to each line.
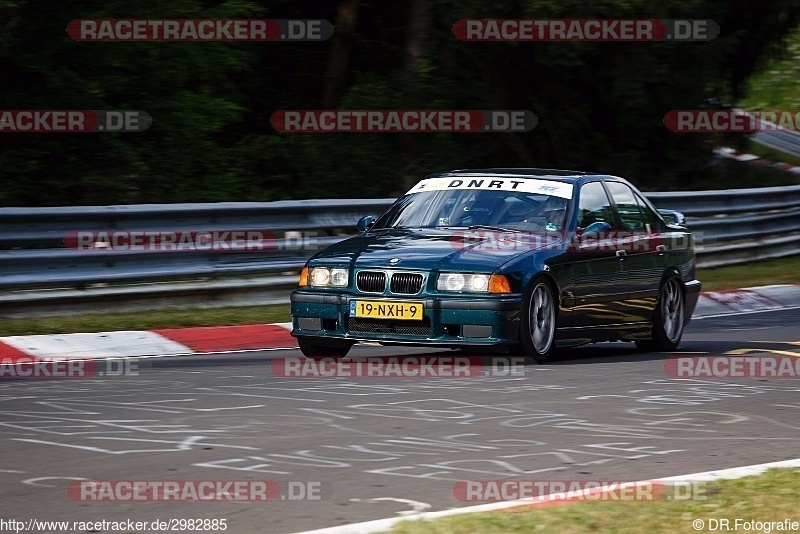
429, 249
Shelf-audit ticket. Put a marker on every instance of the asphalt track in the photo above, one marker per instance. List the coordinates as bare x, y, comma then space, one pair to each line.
388, 446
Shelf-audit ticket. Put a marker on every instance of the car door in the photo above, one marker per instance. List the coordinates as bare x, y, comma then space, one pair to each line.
639, 238
599, 284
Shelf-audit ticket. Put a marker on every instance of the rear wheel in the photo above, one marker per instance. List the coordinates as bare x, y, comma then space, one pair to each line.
538, 328
668, 319
317, 352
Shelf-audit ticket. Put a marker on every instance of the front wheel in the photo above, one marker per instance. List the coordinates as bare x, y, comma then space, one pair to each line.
668, 319
316, 351
538, 326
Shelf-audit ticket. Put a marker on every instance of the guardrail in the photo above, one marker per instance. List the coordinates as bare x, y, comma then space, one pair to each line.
33, 252
38, 272
777, 137
739, 225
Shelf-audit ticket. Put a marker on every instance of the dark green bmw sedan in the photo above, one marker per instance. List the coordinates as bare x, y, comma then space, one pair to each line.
519, 260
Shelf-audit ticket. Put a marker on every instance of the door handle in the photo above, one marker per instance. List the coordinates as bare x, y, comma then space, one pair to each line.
621, 253
661, 249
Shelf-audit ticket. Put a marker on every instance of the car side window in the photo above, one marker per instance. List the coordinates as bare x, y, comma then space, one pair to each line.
594, 205
651, 219
627, 207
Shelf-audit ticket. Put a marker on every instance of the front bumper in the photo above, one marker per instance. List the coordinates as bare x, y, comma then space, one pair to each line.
448, 321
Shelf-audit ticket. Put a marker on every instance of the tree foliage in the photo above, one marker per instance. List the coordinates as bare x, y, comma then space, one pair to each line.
600, 105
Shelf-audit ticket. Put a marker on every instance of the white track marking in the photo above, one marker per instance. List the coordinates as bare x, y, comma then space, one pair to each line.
381, 525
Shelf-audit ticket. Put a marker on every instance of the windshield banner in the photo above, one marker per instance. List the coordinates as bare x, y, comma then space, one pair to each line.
523, 185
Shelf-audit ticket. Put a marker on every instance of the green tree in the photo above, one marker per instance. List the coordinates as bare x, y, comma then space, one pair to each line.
600, 105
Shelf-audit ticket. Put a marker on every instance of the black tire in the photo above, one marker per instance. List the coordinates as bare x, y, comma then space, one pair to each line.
537, 330
668, 319
319, 352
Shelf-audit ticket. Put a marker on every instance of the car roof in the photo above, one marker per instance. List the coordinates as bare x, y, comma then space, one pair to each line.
560, 175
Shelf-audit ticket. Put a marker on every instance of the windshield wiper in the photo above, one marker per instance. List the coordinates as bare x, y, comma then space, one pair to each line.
490, 227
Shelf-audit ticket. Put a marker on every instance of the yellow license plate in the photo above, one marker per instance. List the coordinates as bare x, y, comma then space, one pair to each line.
381, 309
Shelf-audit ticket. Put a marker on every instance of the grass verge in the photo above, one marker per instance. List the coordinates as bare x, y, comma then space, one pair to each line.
145, 320
768, 497
760, 273
780, 271
771, 154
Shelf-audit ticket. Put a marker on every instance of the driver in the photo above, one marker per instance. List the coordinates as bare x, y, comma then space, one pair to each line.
553, 210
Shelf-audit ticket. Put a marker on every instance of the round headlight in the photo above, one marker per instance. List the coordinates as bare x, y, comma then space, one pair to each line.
454, 282
479, 282
320, 276
339, 277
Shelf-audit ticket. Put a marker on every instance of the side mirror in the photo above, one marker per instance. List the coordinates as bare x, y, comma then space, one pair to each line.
673, 216
595, 230
365, 223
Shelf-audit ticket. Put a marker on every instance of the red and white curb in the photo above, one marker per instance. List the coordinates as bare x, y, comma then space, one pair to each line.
747, 300
381, 525
730, 153
148, 343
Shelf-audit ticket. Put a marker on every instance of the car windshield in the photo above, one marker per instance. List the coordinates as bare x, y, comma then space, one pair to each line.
537, 205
